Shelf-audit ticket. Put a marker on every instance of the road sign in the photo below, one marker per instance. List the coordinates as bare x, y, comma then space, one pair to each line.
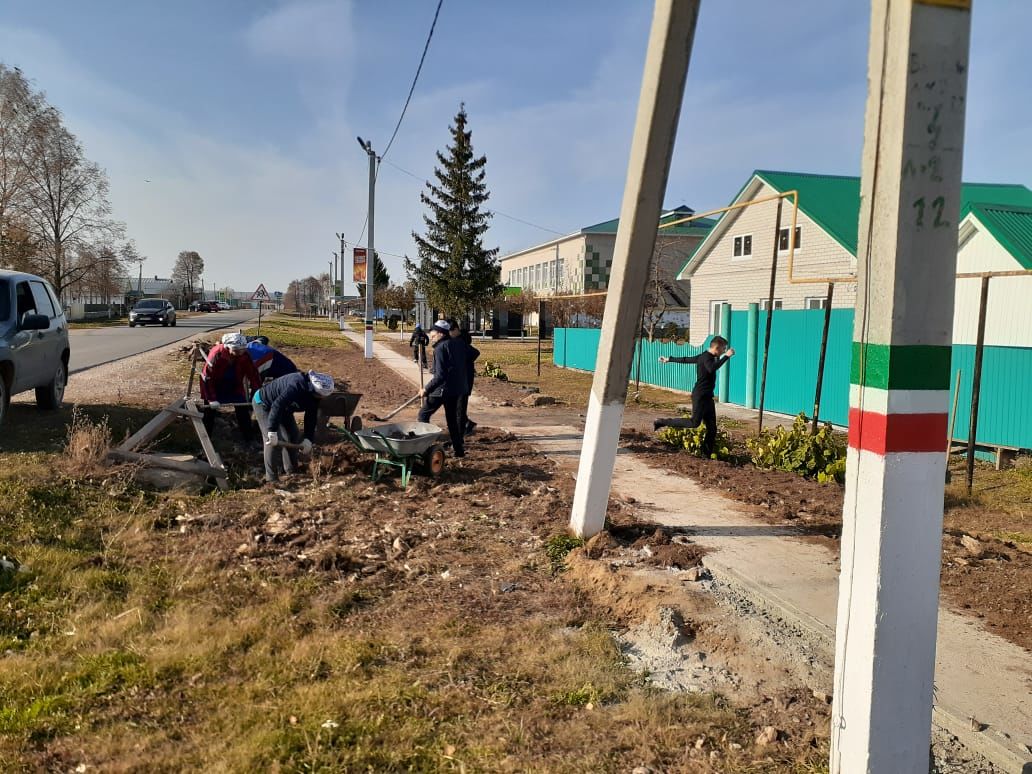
261, 294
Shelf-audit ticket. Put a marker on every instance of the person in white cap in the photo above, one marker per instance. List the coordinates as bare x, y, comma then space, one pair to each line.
229, 376
274, 406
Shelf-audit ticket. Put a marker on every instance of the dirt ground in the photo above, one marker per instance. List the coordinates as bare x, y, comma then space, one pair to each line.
988, 578
340, 624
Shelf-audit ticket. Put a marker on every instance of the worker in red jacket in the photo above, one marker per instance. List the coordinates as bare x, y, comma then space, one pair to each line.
229, 376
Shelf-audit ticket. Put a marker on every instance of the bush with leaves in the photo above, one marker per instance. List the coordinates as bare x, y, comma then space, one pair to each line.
691, 439
495, 371
820, 455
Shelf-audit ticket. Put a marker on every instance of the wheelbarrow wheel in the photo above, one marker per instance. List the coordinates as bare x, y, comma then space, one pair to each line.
433, 460
355, 424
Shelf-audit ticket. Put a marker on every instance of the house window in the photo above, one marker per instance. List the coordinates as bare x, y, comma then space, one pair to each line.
714, 316
815, 302
743, 246
562, 269
765, 304
783, 239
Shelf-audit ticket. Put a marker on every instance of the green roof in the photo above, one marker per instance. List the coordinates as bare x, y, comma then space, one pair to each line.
1010, 226
698, 227
833, 201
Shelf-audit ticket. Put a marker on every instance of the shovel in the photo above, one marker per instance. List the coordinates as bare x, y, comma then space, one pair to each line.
404, 405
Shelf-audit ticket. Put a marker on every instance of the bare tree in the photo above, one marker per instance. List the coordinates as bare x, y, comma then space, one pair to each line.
68, 203
187, 271
662, 292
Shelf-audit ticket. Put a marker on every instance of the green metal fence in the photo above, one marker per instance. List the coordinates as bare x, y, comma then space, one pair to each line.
1005, 413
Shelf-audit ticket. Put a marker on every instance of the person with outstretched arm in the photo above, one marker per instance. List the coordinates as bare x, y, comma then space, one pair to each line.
704, 411
274, 407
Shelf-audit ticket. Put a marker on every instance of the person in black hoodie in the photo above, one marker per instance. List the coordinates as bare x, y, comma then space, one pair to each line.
472, 353
704, 411
447, 382
418, 341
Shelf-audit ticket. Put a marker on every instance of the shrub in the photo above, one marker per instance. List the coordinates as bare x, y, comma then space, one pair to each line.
495, 371
820, 455
690, 439
87, 444
557, 547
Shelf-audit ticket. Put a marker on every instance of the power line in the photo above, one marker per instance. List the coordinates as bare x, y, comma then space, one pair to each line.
426, 47
496, 211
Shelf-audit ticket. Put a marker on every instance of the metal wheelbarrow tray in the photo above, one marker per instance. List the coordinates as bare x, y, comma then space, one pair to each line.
419, 448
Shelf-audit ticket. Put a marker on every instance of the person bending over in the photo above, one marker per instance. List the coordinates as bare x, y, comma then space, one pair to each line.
704, 411
229, 376
274, 406
447, 383
269, 361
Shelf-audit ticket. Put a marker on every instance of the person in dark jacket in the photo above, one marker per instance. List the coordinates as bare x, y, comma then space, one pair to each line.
447, 383
704, 411
269, 361
418, 341
229, 376
274, 406
472, 353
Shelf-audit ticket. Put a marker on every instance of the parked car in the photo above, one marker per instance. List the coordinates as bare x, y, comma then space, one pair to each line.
216, 306
152, 310
201, 306
34, 347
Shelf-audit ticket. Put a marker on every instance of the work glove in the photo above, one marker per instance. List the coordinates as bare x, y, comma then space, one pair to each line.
213, 404
306, 446
272, 438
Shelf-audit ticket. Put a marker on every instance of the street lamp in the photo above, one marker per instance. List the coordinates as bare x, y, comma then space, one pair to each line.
370, 252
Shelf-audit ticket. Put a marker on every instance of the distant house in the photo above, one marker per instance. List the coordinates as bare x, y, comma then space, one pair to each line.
732, 263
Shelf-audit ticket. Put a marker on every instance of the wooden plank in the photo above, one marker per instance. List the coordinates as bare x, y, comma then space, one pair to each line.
222, 477
152, 460
163, 419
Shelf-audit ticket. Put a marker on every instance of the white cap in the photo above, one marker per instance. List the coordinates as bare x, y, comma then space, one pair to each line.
234, 341
443, 325
322, 384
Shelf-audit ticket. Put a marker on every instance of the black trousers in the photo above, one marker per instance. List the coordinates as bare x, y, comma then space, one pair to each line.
451, 416
704, 411
243, 418
463, 412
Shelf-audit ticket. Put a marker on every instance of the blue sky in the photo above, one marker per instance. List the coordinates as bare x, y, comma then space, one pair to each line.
242, 114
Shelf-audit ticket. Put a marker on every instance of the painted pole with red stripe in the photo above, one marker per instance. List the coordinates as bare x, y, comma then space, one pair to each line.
899, 396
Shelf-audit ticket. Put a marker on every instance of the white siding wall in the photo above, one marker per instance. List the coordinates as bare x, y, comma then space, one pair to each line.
571, 253
741, 281
1008, 319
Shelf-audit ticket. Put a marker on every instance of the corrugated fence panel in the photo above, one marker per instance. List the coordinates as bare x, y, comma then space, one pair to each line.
1005, 414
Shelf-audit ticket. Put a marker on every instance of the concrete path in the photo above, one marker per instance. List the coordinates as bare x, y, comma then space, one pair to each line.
978, 676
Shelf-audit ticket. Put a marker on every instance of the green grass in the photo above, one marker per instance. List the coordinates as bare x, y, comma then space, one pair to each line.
284, 331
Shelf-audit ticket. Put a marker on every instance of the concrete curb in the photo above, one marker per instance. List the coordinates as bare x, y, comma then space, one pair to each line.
1000, 751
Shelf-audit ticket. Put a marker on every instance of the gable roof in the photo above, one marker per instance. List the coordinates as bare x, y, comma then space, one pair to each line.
1010, 226
833, 203
692, 228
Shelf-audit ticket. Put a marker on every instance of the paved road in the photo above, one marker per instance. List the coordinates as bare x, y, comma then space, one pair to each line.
95, 346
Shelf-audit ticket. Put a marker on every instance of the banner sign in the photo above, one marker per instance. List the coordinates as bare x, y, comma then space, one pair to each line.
359, 271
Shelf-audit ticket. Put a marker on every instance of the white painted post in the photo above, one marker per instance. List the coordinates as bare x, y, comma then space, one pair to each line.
659, 107
892, 519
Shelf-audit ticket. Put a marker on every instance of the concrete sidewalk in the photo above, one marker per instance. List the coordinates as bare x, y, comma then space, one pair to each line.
981, 680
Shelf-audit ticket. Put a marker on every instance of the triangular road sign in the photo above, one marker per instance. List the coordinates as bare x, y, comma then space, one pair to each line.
261, 294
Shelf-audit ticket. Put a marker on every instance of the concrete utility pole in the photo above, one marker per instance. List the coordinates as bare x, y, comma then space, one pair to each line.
899, 395
370, 252
659, 107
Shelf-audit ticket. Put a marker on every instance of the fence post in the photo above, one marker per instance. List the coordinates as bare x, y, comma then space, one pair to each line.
724, 373
770, 317
752, 321
976, 383
820, 359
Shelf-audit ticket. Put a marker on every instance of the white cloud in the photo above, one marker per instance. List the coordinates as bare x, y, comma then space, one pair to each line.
308, 31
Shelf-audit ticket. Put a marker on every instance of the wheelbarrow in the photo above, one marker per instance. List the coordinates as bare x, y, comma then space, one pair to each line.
337, 404
405, 445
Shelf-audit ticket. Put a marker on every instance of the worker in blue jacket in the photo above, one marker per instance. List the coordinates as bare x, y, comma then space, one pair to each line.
274, 407
447, 383
270, 362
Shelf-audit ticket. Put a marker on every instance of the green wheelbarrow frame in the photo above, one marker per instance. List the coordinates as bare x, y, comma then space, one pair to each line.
407, 454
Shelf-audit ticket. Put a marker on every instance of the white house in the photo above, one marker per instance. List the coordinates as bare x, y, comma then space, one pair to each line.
732, 265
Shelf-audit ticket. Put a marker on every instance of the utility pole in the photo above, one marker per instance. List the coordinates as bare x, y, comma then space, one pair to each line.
888, 602
370, 252
659, 106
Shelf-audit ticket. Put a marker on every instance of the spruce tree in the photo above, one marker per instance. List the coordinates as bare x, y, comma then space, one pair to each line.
455, 272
